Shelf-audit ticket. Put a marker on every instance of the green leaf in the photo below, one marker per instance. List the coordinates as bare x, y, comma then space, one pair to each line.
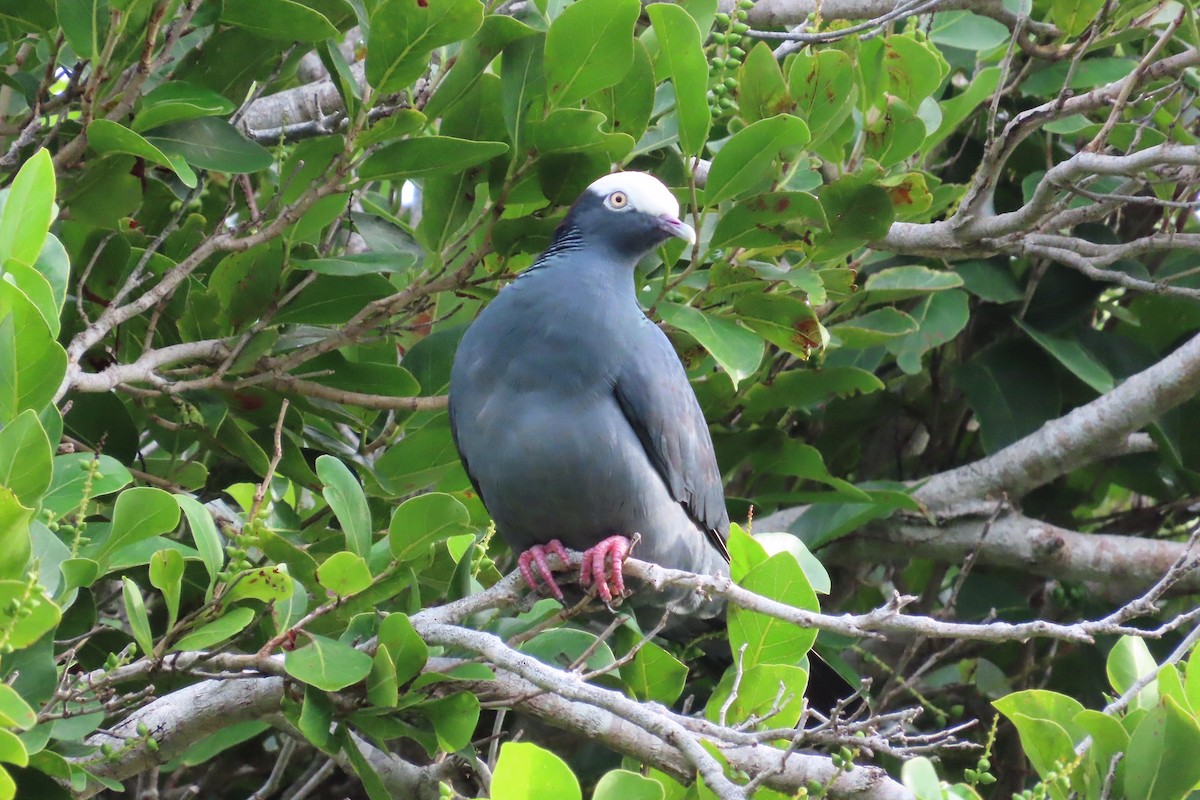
575, 130
763, 688
404, 33
655, 675
278, 19
28, 210
958, 108
427, 155
770, 221
803, 388
32, 364
12, 751
267, 584
1073, 16
589, 47
967, 31
993, 283
941, 317
175, 101
914, 68
344, 574
67, 485
23, 629
762, 91
1128, 661
345, 496
454, 719
919, 777
15, 535
353, 265
84, 23
901, 283
139, 513
745, 552
327, 664
1011, 388
785, 321
211, 143
1072, 355
166, 575
856, 213
37, 290
422, 520
1044, 705
225, 627
823, 87
382, 687
406, 648
316, 714
737, 350
372, 783
769, 640
106, 136
54, 265
629, 103
527, 772
744, 162
1161, 762
14, 711
682, 57
135, 611
204, 534
874, 327
621, 784
496, 33
25, 458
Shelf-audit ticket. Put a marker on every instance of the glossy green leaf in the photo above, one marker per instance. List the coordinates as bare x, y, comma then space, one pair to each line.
769, 640
23, 629
175, 101
1074, 16
14, 534
802, 388
278, 19
914, 68
1012, 390
106, 136
874, 327
628, 104
621, 784
454, 719
682, 57
344, 574
427, 155
382, 687
14, 711
316, 714
824, 90
406, 648
211, 143
496, 33
422, 520
25, 458
268, 584
575, 130
1161, 762
525, 771
856, 214
404, 33
744, 162
345, 496
920, 777
84, 23
589, 47
12, 750
771, 693
28, 210
139, 513
135, 612
655, 675
967, 31
166, 575
224, 627
327, 663
737, 350
958, 108
204, 534
762, 90
1128, 661
785, 321
941, 317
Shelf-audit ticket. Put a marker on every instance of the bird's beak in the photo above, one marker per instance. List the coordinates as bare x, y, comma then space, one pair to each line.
677, 228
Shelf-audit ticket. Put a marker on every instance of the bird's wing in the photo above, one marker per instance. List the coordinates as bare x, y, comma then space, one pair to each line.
462, 456
655, 396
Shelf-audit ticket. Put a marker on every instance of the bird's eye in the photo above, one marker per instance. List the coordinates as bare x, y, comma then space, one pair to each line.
618, 200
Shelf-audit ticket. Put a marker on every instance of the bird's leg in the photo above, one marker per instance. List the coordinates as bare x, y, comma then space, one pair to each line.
616, 549
537, 555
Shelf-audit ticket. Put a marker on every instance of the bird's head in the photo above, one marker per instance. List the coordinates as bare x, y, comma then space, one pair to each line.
631, 212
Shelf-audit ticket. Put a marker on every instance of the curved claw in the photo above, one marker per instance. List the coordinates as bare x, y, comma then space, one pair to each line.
537, 556
615, 549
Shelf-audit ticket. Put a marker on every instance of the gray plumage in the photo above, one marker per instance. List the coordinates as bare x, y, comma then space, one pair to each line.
571, 411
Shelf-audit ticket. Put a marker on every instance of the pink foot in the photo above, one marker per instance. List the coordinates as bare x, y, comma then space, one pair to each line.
537, 555
616, 549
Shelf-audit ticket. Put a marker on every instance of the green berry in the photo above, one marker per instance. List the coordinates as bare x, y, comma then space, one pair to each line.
730, 83
746, 4
740, 27
722, 19
718, 37
737, 53
726, 103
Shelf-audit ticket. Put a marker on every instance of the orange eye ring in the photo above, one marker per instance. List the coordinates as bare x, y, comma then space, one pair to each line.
618, 200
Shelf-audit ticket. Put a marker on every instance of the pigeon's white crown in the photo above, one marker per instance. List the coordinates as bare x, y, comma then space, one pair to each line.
646, 193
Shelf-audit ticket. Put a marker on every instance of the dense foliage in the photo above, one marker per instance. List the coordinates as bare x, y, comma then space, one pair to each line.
942, 317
